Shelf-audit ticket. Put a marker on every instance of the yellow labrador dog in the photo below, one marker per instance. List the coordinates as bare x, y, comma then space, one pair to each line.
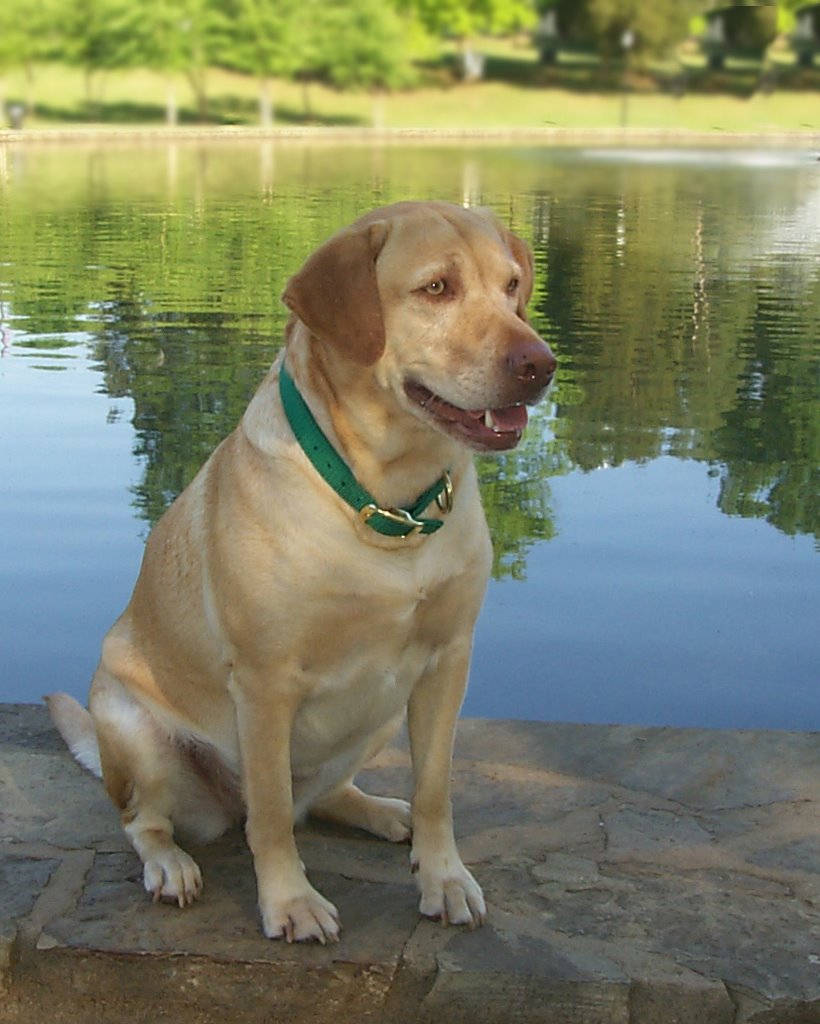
322, 574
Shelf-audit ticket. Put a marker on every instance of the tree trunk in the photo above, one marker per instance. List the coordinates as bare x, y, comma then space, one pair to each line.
89, 93
93, 103
196, 76
266, 111
31, 103
472, 62
171, 108
379, 99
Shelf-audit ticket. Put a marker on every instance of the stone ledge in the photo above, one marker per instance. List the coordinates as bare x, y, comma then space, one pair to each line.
79, 134
633, 876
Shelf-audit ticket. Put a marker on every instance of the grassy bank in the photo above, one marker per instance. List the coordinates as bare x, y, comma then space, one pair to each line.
60, 98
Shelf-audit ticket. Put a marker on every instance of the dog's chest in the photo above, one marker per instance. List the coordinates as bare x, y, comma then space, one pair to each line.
374, 645
363, 664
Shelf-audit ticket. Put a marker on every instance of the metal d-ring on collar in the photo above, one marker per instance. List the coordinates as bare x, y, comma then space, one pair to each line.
391, 522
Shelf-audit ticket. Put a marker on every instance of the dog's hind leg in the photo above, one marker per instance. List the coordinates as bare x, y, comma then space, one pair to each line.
383, 816
345, 804
148, 778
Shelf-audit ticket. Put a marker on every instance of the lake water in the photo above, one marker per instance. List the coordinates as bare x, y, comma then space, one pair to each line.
656, 532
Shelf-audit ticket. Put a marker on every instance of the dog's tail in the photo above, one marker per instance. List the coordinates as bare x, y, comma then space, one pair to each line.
76, 726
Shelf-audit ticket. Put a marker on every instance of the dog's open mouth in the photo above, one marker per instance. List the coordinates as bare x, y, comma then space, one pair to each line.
485, 429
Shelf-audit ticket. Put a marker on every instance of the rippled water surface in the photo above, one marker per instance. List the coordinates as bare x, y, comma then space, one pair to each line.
656, 532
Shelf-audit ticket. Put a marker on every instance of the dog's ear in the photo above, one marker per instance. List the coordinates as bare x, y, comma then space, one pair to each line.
336, 295
521, 254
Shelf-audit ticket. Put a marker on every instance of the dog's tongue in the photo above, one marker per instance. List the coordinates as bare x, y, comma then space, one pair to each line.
512, 419
506, 424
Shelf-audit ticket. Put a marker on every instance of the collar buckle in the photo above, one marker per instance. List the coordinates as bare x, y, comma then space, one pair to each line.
398, 516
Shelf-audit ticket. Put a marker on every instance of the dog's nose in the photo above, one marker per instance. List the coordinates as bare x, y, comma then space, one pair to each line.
532, 364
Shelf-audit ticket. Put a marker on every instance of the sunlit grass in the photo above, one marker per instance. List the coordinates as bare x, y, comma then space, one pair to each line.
137, 99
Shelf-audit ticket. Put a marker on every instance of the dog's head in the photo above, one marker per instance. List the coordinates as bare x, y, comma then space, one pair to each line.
433, 298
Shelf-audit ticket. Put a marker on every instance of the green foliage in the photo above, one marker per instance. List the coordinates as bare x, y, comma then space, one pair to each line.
28, 34
175, 35
700, 372
264, 36
656, 27
362, 45
463, 18
95, 33
787, 12
28, 30
352, 44
516, 500
359, 44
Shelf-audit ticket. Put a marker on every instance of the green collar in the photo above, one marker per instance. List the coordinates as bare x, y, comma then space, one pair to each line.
391, 522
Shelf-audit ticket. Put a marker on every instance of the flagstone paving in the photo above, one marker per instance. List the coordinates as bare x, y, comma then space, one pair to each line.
633, 876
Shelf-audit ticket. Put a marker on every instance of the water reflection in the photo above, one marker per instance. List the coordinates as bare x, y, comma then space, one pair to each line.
683, 337
673, 470
682, 297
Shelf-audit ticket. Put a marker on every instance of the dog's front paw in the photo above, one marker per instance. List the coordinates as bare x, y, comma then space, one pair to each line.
449, 892
301, 917
173, 875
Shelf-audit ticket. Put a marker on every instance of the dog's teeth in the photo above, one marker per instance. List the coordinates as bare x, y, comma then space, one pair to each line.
489, 422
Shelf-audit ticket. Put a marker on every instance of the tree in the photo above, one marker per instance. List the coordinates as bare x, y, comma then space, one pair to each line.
26, 36
464, 19
656, 27
175, 37
361, 45
266, 44
787, 12
200, 30
95, 36
351, 44
161, 42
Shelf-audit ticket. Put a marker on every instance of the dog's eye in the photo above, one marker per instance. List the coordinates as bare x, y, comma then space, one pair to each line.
512, 285
438, 287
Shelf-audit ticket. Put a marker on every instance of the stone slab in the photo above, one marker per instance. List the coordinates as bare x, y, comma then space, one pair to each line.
633, 876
